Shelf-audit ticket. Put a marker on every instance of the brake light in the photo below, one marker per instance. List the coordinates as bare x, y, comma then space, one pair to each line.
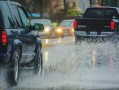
112, 25
75, 24
4, 37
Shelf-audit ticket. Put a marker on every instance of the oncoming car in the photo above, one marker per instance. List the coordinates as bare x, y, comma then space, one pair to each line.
66, 26
48, 27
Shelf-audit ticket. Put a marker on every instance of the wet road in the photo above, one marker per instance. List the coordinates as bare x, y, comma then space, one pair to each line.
68, 66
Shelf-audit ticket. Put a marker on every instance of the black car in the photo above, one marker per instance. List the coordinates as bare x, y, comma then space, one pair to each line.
20, 43
98, 23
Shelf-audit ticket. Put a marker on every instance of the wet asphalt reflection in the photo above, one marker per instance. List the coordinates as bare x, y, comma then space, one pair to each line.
68, 66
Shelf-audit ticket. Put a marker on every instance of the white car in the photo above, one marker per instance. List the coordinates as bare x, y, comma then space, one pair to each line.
48, 28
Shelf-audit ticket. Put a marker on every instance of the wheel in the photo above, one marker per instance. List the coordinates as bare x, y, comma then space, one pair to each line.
13, 73
78, 40
38, 63
114, 39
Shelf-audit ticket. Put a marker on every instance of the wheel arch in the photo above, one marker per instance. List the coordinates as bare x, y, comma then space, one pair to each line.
16, 44
38, 44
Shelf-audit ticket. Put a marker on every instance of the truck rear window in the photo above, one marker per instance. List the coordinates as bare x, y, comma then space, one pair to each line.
101, 13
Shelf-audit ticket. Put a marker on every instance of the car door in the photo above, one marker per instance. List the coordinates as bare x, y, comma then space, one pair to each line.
28, 35
19, 30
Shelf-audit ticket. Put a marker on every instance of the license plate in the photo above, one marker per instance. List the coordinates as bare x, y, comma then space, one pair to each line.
93, 33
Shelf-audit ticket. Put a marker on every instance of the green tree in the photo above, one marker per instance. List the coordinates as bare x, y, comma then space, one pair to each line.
73, 12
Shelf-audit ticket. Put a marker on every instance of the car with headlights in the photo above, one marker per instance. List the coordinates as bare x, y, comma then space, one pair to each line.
66, 27
48, 27
59, 32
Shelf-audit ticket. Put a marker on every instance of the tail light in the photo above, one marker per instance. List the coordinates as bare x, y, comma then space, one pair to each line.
75, 24
112, 25
4, 37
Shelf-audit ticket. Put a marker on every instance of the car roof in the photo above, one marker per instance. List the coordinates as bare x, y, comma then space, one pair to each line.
104, 7
68, 20
10, 2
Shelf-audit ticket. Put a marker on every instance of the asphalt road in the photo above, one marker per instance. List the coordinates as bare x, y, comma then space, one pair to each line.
68, 66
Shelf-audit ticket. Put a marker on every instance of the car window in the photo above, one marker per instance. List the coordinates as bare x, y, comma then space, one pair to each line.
44, 22
24, 17
8, 20
66, 23
16, 16
101, 13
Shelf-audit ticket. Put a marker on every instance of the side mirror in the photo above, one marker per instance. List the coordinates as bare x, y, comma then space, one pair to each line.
38, 26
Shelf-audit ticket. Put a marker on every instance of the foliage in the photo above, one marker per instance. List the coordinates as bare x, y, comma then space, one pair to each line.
73, 12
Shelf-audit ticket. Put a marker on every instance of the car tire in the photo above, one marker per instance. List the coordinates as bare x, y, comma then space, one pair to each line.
78, 40
13, 73
114, 39
38, 63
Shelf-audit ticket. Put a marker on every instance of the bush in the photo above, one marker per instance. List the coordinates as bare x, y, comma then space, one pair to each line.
73, 12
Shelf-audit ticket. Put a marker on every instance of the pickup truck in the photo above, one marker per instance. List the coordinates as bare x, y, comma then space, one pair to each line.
97, 22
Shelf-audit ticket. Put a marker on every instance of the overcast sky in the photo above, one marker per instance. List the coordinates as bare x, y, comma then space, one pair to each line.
83, 4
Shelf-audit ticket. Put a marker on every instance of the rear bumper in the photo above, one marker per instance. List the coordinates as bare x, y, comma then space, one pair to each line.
93, 37
69, 32
93, 34
59, 33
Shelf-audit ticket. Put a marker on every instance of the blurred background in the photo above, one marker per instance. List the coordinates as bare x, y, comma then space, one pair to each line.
58, 10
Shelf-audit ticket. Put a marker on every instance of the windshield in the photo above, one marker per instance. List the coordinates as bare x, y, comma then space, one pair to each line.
66, 23
101, 13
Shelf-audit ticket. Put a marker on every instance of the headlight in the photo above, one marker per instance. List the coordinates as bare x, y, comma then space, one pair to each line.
72, 30
47, 29
59, 30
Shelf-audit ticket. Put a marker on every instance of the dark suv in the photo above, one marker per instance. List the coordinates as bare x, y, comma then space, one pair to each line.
20, 43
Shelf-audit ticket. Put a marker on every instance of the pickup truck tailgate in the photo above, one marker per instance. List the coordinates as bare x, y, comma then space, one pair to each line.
94, 27
94, 24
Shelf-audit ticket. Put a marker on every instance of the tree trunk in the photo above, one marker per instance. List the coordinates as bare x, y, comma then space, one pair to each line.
41, 8
65, 7
90, 3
